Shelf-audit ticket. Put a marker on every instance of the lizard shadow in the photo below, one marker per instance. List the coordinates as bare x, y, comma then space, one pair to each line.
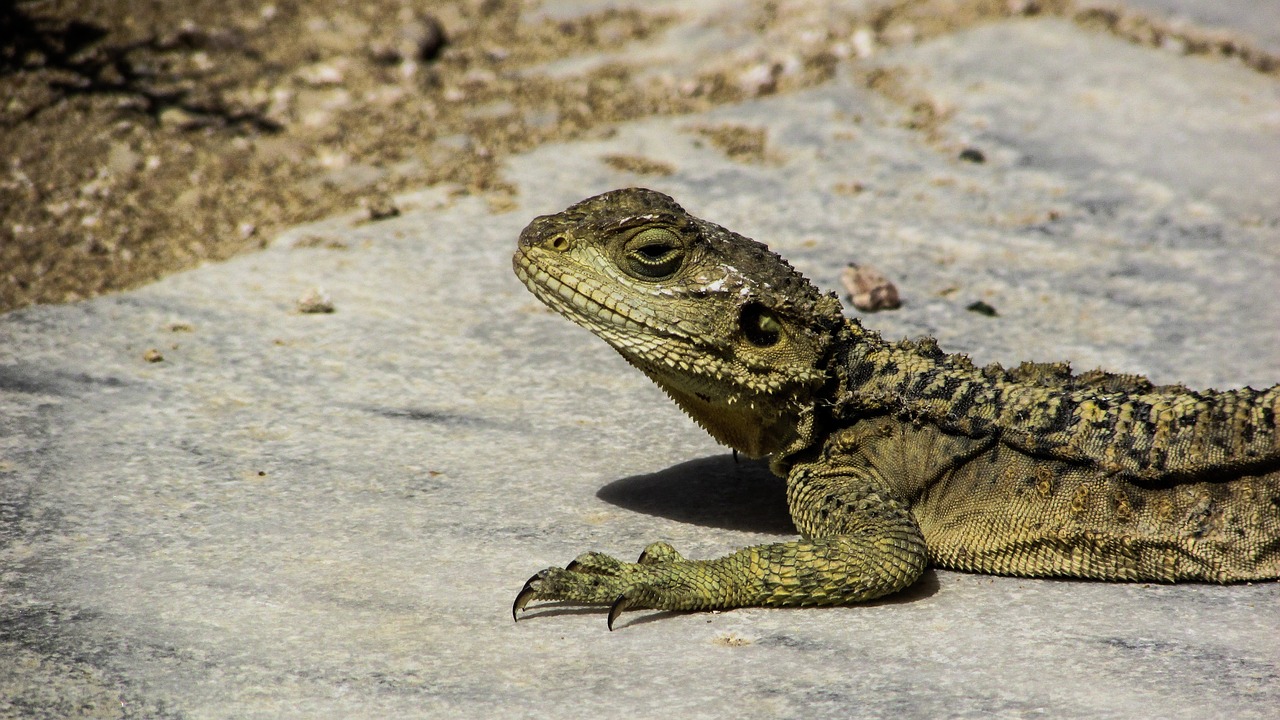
714, 491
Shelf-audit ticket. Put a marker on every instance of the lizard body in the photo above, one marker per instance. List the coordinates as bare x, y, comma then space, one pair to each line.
896, 455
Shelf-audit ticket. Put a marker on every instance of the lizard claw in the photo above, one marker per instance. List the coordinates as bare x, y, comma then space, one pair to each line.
622, 603
529, 592
594, 578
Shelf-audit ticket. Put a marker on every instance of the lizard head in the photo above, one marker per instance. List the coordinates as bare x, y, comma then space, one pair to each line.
727, 328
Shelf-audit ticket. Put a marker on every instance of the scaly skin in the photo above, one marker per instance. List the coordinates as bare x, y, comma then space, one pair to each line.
896, 455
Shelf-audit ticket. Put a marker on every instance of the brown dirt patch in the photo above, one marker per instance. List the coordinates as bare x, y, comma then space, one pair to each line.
145, 141
739, 142
638, 165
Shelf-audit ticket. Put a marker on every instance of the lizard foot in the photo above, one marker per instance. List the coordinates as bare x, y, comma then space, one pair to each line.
884, 556
659, 579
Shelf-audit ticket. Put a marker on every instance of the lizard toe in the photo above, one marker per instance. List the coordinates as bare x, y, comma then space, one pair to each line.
596, 563
659, 552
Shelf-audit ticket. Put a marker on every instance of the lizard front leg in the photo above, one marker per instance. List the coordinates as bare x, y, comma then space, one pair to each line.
859, 543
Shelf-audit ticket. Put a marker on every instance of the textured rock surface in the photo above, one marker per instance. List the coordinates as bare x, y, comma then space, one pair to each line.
314, 515
1257, 21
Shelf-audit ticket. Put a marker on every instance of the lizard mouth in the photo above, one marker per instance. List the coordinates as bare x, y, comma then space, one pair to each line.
583, 300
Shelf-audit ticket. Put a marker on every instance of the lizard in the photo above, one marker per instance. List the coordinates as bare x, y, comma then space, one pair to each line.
896, 455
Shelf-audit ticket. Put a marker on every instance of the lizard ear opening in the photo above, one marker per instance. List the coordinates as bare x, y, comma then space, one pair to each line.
760, 326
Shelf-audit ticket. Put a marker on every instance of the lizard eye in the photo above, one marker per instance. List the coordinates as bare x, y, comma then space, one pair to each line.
760, 325
654, 254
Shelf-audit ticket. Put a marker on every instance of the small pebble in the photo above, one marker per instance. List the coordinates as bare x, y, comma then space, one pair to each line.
418, 38
314, 301
868, 289
981, 308
379, 207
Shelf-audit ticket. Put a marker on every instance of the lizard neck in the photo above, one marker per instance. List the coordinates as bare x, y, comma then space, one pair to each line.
913, 380
755, 427
917, 381
911, 376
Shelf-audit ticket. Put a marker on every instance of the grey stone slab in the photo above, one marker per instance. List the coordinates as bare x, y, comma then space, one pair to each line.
329, 515
1035, 89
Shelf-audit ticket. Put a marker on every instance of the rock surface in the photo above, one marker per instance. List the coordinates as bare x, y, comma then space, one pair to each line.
328, 515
